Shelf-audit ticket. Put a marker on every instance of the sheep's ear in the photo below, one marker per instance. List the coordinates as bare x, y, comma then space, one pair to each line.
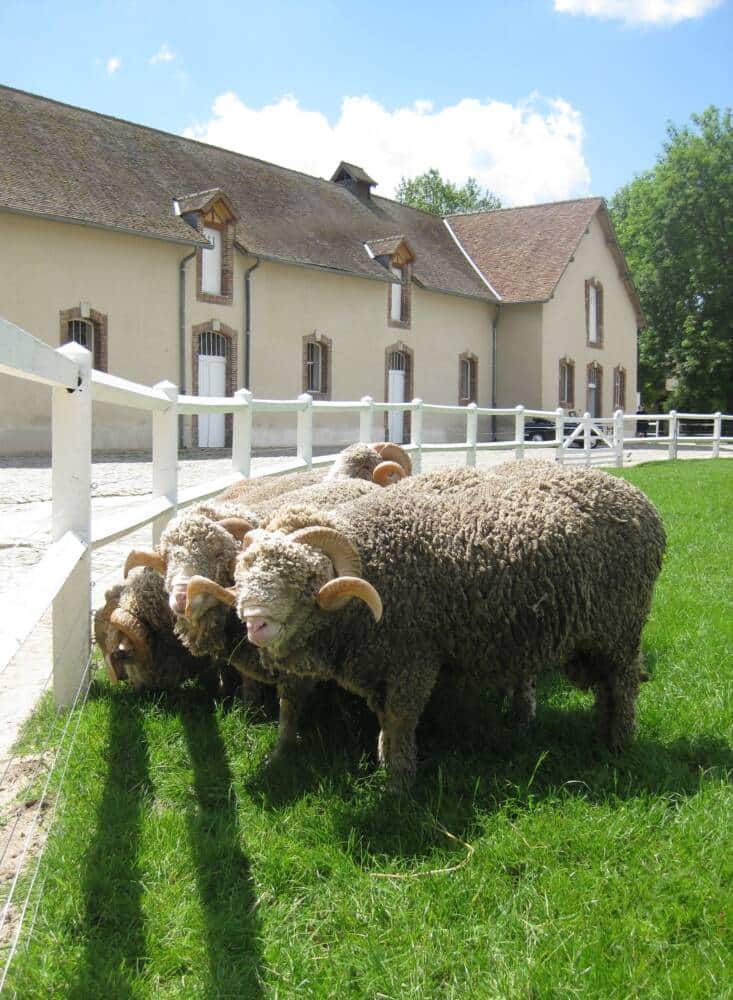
236, 526
140, 557
336, 593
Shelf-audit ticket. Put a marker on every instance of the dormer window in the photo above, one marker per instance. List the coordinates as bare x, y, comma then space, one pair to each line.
397, 300
395, 254
212, 214
211, 262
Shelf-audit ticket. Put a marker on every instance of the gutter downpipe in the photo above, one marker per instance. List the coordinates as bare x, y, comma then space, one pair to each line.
248, 315
182, 335
494, 378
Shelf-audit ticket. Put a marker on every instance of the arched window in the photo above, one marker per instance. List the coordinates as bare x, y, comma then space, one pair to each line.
467, 379
317, 366
566, 388
87, 327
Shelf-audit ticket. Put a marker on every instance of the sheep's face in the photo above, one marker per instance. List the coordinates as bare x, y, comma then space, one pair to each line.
196, 546
124, 641
277, 582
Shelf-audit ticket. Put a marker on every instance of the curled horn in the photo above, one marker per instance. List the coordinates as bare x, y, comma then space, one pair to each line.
141, 557
387, 473
391, 452
336, 593
236, 526
202, 585
137, 634
332, 543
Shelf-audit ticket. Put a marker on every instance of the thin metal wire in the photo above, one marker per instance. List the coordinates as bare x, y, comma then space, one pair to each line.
41, 801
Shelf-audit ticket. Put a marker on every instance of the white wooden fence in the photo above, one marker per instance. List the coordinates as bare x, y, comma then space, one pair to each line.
62, 579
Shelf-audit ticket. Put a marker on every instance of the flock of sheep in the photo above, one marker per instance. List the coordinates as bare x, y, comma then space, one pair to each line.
386, 583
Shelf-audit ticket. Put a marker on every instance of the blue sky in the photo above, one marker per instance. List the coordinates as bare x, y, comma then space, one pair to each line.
538, 99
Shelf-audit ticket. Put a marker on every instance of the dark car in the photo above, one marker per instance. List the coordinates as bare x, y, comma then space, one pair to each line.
542, 429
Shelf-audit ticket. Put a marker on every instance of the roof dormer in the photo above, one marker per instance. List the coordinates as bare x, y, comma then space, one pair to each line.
205, 208
355, 179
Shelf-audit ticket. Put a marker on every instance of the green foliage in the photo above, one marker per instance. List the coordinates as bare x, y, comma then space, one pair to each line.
430, 193
675, 226
183, 865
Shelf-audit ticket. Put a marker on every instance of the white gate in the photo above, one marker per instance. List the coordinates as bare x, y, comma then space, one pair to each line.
396, 394
212, 382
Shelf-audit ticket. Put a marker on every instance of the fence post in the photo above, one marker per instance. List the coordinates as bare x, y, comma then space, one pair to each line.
165, 455
416, 436
559, 434
242, 434
672, 449
519, 432
618, 437
305, 429
471, 434
71, 489
366, 420
587, 424
717, 433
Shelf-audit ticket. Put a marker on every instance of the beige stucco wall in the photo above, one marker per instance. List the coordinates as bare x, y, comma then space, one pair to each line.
518, 353
290, 302
564, 333
47, 267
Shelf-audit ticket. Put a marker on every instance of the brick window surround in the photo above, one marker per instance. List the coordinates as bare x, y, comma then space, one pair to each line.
227, 261
405, 266
619, 388
593, 283
326, 357
230, 341
409, 386
566, 383
98, 321
594, 373
467, 378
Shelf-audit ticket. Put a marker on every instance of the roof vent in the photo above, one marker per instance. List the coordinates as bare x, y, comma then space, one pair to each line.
356, 179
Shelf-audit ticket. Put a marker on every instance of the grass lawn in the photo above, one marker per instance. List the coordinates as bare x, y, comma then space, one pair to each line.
541, 866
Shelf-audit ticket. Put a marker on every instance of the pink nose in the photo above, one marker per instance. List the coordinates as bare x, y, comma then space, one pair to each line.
254, 625
178, 600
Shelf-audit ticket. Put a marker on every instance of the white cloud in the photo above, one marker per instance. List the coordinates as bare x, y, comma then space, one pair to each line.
526, 153
639, 11
112, 65
163, 55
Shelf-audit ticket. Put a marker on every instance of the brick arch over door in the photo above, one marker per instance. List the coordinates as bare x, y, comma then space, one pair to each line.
229, 336
408, 360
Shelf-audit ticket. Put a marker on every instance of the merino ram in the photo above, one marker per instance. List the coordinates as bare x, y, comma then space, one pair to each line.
136, 630
490, 581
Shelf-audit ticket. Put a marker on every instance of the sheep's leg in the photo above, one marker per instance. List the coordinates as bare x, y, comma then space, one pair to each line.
615, 704
292, 694
524, 703
403, 706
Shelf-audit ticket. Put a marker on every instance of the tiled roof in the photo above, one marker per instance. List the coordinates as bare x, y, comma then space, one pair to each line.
75, 165
386, 245
523, 252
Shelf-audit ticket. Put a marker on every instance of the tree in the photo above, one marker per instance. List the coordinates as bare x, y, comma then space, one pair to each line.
675, 226
430, 193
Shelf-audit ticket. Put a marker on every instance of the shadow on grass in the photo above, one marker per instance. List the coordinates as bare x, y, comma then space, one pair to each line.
112, 924
222, 870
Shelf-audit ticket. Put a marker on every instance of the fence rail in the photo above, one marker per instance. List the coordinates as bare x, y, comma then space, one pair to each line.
63, 578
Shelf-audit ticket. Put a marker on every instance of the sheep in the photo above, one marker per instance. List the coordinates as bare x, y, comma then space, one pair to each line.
488, 584
139, 643
134, 631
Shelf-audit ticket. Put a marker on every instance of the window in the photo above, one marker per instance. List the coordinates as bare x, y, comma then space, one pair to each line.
594, 395
316, 366
398, 388
566, 390
594, 313
619, 388
467, 379
87, 327
211, 261
397, 297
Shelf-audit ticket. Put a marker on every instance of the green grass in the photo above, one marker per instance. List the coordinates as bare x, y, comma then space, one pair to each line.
180, 865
